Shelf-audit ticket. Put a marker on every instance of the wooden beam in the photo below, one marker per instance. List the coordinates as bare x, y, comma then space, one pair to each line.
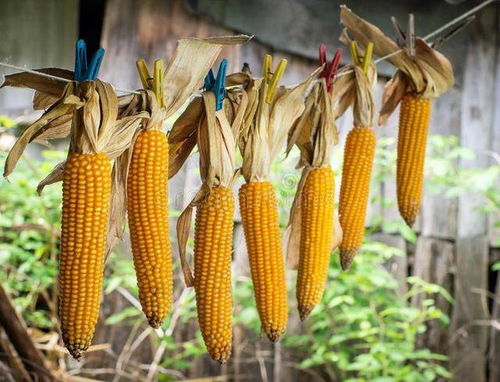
15, 329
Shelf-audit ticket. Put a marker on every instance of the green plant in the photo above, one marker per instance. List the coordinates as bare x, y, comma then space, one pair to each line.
29, 234
363, 330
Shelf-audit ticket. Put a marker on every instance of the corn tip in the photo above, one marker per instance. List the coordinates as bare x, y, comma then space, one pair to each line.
155, 322
346, 258
409, 220
304, 312
274, 334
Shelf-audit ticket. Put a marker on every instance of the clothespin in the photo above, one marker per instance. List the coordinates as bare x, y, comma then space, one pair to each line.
330, 69
363, 62
84, 71
270, 78
155, 83
406, 38
216, 85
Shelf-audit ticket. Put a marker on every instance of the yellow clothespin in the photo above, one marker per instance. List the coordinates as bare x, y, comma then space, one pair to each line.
158, 82
364, 62
272, 79
154, 83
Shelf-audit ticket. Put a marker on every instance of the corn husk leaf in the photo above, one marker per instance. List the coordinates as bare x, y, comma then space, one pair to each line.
394, 91
42, 101
182, 137
429, 73
56, 129
68, 102
190, 63
48, 86
55, 176
315, 132
291, 237
265, 126
353, 88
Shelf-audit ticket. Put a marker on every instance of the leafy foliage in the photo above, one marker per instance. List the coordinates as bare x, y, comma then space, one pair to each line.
29, 231
363, 330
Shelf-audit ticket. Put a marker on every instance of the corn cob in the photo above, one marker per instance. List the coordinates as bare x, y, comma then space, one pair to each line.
148, 222
358, 159
412, 138
86, 195
259, 213
212, 270
316, 238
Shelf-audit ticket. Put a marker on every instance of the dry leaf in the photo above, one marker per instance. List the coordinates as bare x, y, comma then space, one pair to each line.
265, 126
49, 86
428, 73
68, 102
292, 233
189, 65
353, 88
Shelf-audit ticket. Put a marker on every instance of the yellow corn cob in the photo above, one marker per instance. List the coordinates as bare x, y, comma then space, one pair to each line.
86, 193
259, 212
316, 238
213, 239
414, 119
147, 201
356, 172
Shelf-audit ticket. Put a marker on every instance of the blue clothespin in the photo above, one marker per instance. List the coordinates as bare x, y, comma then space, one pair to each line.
216, 85
83, 71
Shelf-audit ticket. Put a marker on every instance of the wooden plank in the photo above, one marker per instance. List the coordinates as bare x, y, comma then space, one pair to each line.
477, 115
433, 262
439, 213
468, 332
35, 34
494, 343
398, 265
494, 218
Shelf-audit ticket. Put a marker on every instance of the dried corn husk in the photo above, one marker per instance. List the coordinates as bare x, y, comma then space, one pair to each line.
215, 136
427, 73
184, 74
353, 88
265, 126
315, 134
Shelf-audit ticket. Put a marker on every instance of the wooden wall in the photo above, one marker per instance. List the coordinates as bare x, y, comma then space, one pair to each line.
455, 242
35, 34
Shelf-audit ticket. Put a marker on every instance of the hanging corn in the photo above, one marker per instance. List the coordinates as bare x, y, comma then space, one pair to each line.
423, 74
354, 88
214, 203
313, 232
97, 138
271, 113
148, 167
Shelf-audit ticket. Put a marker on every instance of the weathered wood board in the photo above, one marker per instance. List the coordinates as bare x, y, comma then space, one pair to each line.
35, 34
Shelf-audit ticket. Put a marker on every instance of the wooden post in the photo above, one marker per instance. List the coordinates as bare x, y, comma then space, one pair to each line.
469, 334
20, 339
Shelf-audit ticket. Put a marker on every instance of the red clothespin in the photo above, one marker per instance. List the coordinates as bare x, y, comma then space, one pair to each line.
330, 69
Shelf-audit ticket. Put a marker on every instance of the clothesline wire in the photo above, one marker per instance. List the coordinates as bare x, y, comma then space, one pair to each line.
52, 77
456, 20
380, 59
